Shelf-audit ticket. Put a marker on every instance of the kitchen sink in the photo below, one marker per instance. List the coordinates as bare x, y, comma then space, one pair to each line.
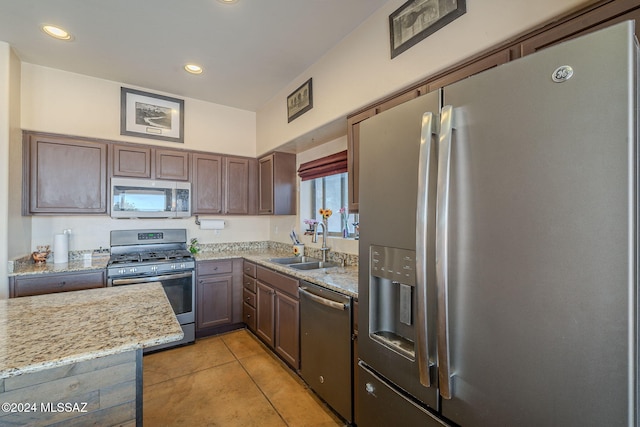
313, 265
294, 260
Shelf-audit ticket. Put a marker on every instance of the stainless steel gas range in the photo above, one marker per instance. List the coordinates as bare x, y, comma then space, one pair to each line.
145, 256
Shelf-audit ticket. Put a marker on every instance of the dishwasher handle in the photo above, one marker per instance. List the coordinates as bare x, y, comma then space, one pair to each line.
324, 301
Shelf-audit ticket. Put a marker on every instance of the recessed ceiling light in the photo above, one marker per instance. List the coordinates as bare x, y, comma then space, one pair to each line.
193, 69
228, 1
56, 32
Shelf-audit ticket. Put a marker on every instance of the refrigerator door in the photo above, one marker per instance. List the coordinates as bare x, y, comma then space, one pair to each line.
542, 292
391, 322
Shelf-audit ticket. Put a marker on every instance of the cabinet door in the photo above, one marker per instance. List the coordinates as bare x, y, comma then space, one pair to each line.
236, 194
207, 184
214, 301
66, 176
172, 165
265, 185
353, 156
601, 17
287, 332
24, 286
265, 326
131, 161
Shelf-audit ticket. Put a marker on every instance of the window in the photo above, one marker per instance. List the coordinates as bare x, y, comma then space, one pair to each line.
324, 186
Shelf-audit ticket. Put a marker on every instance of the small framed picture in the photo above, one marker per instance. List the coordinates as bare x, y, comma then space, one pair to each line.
300, 101
417, 19
149, 115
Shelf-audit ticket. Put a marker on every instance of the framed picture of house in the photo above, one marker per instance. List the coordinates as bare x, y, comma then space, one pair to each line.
417, 19
149, 115
300, 101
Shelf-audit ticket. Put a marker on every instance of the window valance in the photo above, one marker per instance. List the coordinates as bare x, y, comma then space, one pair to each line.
329, 165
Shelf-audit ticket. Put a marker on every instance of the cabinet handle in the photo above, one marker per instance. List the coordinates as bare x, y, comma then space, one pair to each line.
61, 284
248, 316
215, 268
248, 298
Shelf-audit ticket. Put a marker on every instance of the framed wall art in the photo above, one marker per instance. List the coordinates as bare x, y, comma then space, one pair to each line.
417, 19
300, 101
149, 115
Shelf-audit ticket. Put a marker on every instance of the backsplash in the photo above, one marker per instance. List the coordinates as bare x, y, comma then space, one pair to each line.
284, 248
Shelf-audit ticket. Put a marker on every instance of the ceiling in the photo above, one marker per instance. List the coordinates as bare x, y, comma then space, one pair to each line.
250, 50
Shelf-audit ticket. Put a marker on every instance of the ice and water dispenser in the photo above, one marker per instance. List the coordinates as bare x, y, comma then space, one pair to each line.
392, 282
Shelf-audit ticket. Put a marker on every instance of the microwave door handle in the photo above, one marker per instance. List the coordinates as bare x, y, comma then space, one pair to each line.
424, 159
442, 251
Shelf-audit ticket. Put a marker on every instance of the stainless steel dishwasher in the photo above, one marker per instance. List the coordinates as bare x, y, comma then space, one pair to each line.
325, 343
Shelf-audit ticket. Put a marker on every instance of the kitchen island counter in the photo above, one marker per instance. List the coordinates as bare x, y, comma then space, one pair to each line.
45, 331
75, 358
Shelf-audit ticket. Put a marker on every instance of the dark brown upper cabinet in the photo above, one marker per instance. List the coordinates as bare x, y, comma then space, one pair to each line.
206, 184
223, 185
149, 162
277, 184
64, 175
131, 161
240, 185
171, 164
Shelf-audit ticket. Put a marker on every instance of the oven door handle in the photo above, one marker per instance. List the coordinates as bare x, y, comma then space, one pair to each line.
118, 282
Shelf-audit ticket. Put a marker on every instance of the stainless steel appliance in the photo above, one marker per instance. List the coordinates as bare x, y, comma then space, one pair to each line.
499, 246
145, 256
146, 198
325, 346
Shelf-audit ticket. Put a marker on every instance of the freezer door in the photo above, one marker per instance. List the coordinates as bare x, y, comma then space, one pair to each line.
542, 239
383, 404
392, 323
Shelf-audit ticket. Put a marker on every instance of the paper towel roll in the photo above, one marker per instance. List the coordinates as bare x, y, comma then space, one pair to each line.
211, 224
60, 248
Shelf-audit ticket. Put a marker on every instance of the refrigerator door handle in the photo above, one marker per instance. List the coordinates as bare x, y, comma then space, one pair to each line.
442, 248
422, 350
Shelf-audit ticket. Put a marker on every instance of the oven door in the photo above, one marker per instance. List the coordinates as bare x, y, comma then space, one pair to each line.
179, 288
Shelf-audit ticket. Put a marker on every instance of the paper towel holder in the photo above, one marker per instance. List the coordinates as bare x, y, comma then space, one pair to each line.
199, 223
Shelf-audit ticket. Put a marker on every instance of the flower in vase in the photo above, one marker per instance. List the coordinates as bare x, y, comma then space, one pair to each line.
326, 213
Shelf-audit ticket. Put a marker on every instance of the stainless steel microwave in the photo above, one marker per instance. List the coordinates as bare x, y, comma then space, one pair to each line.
146, 198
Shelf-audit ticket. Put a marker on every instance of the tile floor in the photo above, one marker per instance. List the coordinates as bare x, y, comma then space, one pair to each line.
227, 380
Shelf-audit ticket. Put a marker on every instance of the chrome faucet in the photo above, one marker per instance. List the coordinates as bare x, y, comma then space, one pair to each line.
314, 239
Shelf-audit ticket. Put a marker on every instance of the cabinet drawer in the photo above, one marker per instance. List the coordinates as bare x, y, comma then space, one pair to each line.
249, 316
205, 268
278, 281
249, 283
51, 283
249, 269
249, 297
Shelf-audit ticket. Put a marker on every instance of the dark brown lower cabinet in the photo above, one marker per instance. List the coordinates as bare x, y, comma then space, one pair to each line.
39, 284
218, 296
278, 314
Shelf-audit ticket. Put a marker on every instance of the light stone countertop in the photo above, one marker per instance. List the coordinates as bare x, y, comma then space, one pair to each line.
29, 267
339, 279
45, 331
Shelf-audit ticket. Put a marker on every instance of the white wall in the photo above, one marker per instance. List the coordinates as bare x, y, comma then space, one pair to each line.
359, 70
67, 103
5, 87
11, 222
62, 102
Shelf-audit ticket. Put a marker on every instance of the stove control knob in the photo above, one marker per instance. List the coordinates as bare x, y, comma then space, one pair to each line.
133, 270
183, 265
173, 266
154, 268
122, 270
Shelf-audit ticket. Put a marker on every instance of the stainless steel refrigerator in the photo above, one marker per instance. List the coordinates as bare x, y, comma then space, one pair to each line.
498, 277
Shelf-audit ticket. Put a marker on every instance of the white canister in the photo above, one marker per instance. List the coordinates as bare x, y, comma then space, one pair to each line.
61, 248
